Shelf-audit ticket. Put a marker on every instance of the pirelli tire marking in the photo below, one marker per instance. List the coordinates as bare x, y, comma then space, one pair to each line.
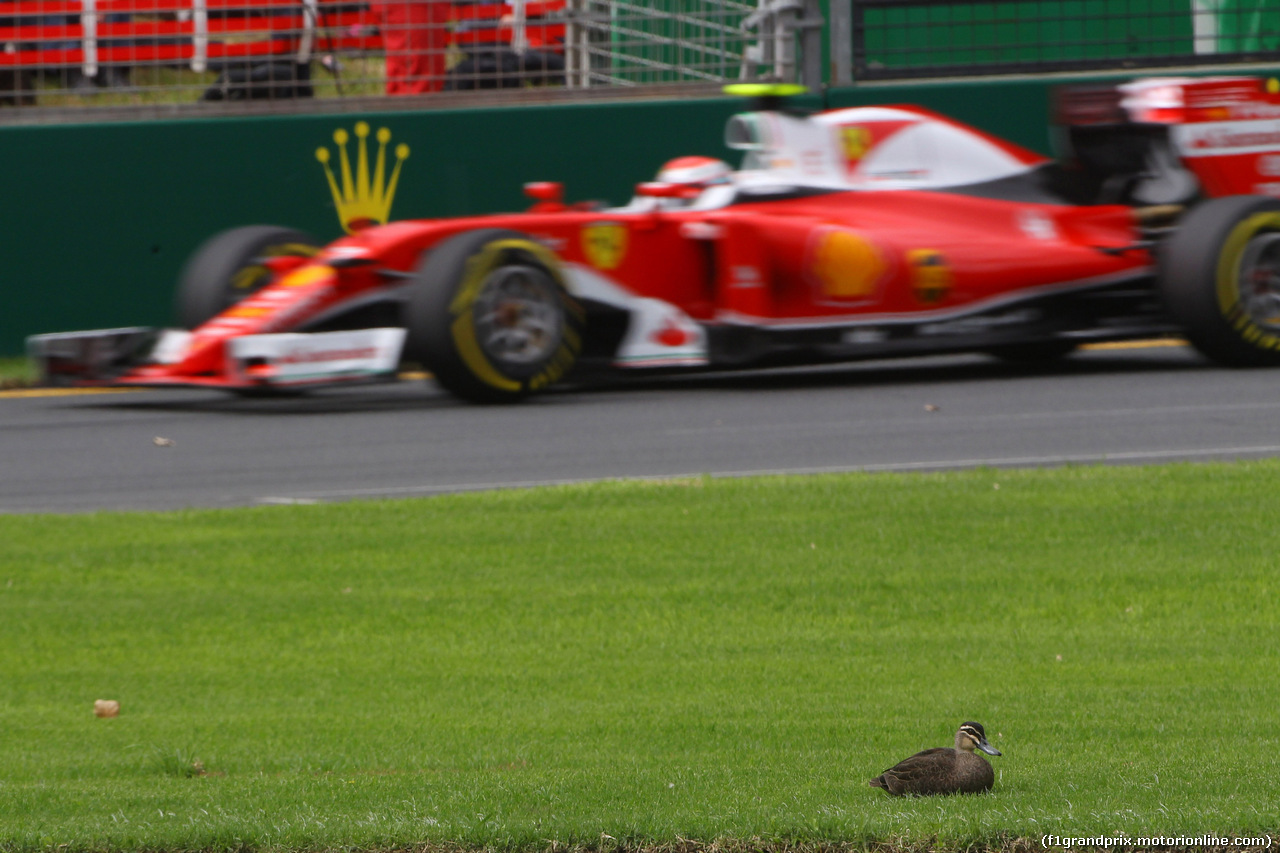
1231, 279
562, 351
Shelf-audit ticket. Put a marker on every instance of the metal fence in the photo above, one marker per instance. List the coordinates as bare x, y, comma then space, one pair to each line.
616, 42
76, 53
72, 53
896, 39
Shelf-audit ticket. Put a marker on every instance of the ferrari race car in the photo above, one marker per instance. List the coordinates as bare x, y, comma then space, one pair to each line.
846, 234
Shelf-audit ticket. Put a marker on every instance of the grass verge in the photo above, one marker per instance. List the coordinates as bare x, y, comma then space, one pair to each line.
159, 84
642, 663
16, 372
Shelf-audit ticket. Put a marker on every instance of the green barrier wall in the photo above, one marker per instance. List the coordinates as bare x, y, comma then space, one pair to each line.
1029, 32
96, 220
1038, 34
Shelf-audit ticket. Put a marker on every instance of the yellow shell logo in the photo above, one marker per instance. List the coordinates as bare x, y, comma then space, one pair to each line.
931, 277
604, 244
363, 199
846, 265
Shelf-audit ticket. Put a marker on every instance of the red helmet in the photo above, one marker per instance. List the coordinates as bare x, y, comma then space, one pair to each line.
694, 171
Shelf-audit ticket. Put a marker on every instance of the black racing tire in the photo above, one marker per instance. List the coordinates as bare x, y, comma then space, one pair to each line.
1219, 277
227, 267
491, 318
1034, 352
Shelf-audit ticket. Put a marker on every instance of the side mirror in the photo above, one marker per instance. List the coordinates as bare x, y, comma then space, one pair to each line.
549, 195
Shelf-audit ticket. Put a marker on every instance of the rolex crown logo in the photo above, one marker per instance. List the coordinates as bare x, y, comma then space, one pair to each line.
363, 200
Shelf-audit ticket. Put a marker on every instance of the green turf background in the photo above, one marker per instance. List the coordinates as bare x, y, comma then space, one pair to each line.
699, 659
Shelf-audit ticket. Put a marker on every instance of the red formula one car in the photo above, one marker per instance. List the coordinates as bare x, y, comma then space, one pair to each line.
847, 234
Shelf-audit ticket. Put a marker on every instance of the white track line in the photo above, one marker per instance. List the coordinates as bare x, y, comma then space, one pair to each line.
908, 466
962, 420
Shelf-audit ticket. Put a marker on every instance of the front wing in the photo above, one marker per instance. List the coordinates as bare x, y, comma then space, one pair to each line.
153, 357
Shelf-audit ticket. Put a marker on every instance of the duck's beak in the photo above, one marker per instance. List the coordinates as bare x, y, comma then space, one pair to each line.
988, 748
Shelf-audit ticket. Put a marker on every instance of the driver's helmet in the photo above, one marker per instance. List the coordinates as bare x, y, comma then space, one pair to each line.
694, 172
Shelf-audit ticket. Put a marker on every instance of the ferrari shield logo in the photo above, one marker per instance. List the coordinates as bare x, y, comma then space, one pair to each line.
930, 275
604, 244
856, 141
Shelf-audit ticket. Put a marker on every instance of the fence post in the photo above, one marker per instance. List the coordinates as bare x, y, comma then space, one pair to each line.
310, 18
811, 25
519, 34
841, 42
89, 43
786, 14
574, 49
199, 36
779, 24
762, 52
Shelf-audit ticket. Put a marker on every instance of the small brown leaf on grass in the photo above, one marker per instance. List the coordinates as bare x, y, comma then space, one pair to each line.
106, 708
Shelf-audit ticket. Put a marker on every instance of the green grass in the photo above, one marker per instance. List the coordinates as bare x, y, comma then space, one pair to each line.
644, 663
359, 77
16, 372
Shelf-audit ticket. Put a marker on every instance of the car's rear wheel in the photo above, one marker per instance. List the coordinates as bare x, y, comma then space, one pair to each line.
1220, 279
490, 316
229, 267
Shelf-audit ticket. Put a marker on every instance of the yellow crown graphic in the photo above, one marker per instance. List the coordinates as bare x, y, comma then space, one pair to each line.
363, 201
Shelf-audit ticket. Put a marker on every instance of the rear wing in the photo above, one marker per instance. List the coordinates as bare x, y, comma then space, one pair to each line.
1209, 136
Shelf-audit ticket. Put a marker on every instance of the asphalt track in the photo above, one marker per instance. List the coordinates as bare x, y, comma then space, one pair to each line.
162, 450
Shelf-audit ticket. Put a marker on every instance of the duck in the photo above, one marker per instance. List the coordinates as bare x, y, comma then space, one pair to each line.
944, 770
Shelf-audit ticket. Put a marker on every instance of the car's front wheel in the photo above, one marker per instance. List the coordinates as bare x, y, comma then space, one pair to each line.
491, 318
1220, 279
230, 266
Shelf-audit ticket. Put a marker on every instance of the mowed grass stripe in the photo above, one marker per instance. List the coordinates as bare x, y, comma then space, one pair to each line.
647, 662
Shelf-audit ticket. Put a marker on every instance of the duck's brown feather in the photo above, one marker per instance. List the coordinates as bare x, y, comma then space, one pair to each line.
943, 770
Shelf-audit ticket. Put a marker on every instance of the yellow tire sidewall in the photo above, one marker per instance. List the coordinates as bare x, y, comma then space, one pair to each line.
1227, 279
476, 272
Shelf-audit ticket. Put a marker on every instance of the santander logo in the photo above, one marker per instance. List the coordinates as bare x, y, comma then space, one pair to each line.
305, 357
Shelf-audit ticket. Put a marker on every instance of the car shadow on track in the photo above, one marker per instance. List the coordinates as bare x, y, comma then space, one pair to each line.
397, 397
424, 395
929, 370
